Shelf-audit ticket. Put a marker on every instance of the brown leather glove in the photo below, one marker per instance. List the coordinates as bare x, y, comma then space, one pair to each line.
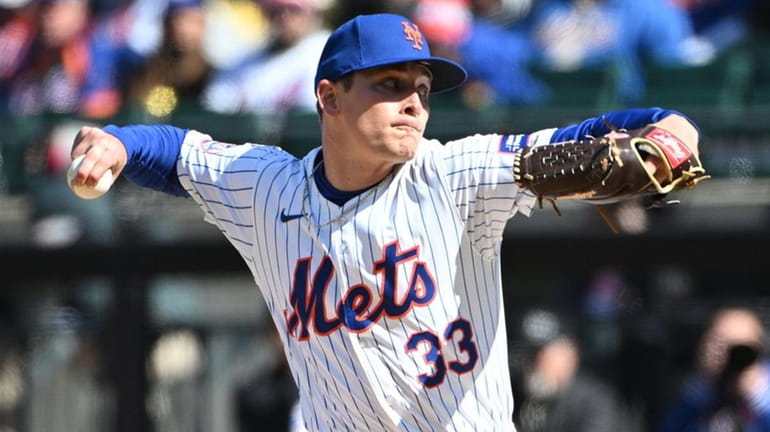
610, 168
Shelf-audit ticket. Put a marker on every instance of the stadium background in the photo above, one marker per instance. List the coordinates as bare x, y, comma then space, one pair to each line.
149, 321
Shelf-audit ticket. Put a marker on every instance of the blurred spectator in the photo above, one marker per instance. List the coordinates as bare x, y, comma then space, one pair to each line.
235, 29
164, 52
130, 32
343, 10
497, 59
46, 66
729, 389
58, 217
269, 400
64, 368
176, 74
721, 23
176, 366
503, 12
559, 394
280, 76
574, 34
63, 69
17, 30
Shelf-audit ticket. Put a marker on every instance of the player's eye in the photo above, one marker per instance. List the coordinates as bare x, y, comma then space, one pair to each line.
403, 86
390, 84
423, 91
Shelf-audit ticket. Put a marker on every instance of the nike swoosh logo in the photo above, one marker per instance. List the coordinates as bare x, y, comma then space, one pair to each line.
288, 217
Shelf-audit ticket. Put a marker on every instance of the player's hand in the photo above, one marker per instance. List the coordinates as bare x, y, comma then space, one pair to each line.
103, 151
684, 130
681, 128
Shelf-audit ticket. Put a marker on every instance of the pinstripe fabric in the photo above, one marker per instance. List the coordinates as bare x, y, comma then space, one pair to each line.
391, 318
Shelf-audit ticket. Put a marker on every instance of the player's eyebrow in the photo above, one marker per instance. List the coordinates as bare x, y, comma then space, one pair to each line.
402, 67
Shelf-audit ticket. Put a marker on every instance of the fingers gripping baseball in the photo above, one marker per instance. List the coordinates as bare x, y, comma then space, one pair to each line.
97, 159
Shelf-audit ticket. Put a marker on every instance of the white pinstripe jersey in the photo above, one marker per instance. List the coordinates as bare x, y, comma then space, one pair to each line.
392, 317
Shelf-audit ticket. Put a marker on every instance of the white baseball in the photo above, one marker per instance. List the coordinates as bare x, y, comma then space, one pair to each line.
88, 192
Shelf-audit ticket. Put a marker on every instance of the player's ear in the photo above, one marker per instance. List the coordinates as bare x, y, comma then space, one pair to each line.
326, 93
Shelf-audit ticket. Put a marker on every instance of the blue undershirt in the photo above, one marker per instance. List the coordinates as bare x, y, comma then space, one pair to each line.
152, 154
330, 192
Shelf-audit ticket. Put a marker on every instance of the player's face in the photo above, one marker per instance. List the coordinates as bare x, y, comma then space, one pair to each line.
386, 109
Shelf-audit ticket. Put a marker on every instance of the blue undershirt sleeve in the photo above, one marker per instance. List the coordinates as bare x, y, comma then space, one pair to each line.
624, 119
152, 151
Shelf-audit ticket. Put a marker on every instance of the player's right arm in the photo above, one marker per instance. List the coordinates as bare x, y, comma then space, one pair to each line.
145, 154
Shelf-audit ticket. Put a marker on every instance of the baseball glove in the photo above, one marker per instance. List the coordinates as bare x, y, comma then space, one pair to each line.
610, 168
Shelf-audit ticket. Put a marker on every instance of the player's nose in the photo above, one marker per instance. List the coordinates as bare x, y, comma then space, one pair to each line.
413, 104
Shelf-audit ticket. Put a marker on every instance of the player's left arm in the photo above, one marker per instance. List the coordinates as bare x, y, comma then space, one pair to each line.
614, 157
672, 120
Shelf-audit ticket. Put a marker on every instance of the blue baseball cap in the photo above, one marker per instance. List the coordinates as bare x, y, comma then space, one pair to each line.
369, 41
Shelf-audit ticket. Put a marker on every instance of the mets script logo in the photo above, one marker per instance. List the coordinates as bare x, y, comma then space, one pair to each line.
361, 306
413, 34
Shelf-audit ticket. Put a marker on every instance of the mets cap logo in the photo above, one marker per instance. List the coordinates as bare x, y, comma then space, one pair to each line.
412, 33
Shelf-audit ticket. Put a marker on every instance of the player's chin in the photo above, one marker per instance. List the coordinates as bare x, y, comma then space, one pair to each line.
406, 148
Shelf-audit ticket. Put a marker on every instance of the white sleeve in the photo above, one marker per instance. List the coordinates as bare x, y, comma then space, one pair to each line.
479, 171
221, 178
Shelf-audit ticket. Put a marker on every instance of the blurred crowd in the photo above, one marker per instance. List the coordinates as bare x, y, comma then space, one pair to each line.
65, 63
97, 58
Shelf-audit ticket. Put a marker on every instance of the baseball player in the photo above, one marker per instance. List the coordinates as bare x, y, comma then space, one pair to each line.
378, 253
